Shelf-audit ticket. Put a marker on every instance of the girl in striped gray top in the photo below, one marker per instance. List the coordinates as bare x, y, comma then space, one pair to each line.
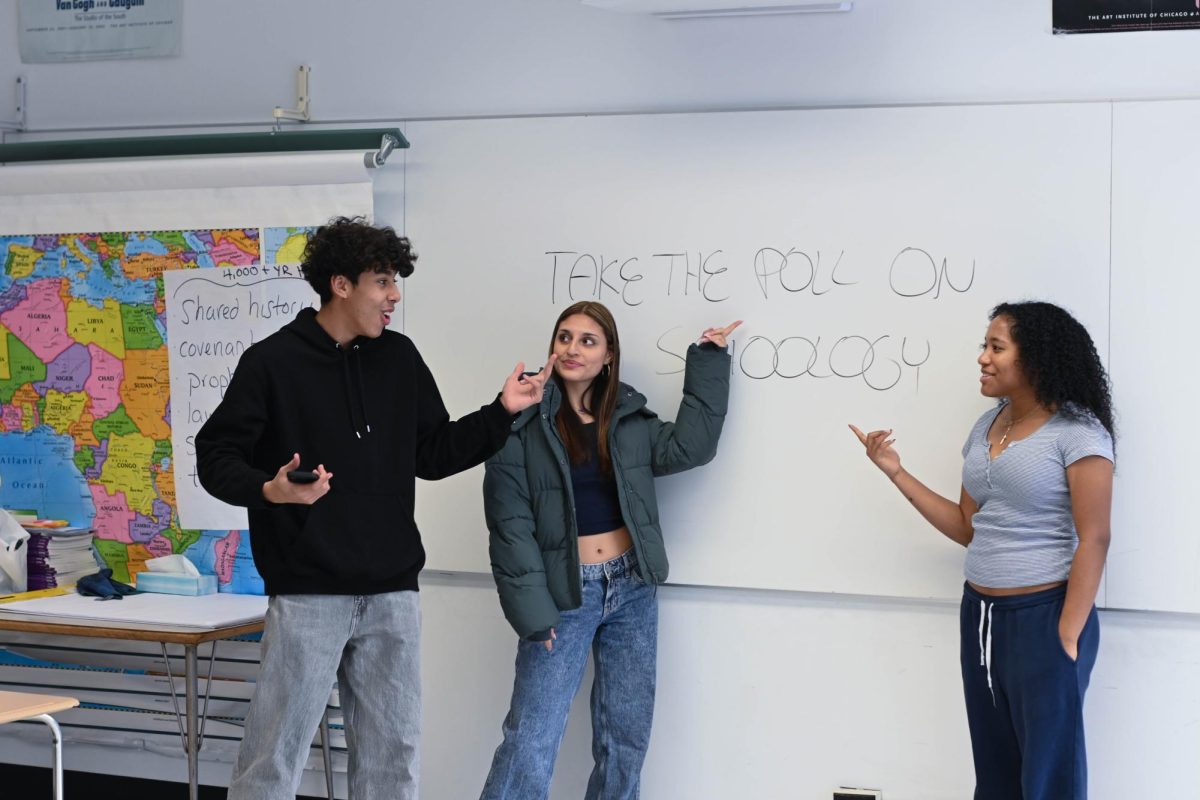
1034, 514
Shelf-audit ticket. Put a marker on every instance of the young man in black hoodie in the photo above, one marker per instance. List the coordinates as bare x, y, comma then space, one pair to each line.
335, 392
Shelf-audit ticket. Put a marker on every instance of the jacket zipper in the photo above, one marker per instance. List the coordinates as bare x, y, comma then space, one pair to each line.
561, 457
635, 535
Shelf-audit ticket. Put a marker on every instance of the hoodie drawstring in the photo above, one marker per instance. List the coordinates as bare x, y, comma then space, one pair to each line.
346, 379
362, 393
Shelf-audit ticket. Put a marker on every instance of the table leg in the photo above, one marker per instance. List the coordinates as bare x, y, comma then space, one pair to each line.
174, 697
193, 743
56, 736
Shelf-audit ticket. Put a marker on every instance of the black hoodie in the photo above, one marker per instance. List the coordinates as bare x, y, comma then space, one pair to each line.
371, 413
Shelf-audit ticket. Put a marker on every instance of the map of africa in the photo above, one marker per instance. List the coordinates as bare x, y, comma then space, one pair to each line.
84, 392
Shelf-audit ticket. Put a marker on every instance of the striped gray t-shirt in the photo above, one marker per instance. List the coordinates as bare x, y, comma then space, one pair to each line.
1024, 530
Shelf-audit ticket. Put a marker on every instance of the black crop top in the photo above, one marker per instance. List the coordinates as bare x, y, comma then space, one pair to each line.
597, 507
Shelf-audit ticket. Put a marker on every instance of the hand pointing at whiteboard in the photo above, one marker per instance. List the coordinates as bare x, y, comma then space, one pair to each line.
880, 450
718, 336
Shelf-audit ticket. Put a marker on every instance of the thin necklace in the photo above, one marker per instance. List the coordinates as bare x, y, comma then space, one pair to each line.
1011, 423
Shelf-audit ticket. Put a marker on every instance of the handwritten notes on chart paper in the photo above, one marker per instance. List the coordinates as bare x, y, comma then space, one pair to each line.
213, 316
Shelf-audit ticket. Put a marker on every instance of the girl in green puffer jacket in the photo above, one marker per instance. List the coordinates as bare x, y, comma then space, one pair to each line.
577, 549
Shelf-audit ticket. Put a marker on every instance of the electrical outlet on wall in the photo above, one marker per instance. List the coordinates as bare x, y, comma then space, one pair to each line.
849, 793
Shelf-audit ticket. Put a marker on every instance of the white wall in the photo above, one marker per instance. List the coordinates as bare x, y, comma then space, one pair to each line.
776, 695
387, 60
762, 695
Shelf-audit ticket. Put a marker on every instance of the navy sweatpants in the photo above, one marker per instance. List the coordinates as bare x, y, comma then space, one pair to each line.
1025, 696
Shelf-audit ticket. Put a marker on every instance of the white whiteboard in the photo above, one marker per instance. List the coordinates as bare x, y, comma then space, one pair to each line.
1155, 555
1019, 194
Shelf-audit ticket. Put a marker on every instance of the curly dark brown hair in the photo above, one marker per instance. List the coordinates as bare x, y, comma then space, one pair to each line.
1059, 359
350, 246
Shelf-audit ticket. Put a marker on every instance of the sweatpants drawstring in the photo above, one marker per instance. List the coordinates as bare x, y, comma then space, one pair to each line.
985, 646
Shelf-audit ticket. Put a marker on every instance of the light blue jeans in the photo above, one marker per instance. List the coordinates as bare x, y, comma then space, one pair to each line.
371, 644
618, 622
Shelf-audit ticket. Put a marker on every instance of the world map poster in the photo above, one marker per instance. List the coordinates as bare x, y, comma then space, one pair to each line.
85, 423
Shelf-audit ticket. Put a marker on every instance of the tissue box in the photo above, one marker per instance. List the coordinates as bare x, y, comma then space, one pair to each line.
175, 583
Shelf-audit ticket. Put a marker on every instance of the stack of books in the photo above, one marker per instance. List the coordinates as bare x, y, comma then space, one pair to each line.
59, 556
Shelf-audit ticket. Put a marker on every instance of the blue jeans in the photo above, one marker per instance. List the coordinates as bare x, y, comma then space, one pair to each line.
371, 644
618, 622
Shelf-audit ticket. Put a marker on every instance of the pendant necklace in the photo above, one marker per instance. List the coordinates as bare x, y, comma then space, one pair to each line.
1011, 423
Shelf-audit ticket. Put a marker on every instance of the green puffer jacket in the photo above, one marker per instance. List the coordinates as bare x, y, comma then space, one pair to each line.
530, 505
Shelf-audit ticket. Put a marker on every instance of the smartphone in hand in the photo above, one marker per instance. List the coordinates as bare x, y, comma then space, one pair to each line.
302, 476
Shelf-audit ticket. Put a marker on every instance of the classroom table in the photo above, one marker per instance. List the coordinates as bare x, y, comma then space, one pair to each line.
25, 706
192, 736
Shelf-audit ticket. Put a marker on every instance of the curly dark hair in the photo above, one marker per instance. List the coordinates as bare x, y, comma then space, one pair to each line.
350, 246
1059, 359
